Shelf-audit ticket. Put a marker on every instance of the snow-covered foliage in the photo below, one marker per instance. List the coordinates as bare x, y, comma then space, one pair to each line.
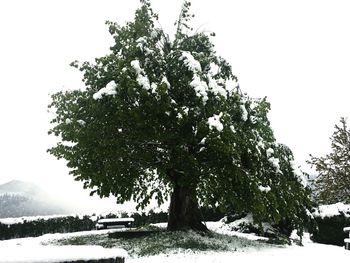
109, 90
214, 122
200, 87
176, 108
191, 62
141, 78
265, 189
215, 88
244, 113
332, 210
299, 174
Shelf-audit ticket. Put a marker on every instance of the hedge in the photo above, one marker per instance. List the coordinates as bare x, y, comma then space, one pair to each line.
43, 226
330, 230
67, 224
331, 220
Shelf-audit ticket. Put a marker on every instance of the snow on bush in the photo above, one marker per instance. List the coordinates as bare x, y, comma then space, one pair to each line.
331, 221
332, 210
245, 224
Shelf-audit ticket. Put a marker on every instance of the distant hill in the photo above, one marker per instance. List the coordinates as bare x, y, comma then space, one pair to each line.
20, 187
18, 198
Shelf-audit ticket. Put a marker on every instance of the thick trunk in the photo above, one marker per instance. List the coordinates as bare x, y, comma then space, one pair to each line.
184, 212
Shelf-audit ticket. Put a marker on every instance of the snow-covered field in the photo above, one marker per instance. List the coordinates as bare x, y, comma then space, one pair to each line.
46, 254
310, 252
23, 250
33, 250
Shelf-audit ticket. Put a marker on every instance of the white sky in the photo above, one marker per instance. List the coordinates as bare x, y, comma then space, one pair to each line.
297, 53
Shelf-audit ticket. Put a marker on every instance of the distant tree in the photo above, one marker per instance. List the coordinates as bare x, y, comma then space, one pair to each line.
333, 182
164, 118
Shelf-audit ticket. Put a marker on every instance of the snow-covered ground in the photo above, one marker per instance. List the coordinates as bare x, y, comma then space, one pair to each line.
310, 252
47, 238
32, 250
47, 254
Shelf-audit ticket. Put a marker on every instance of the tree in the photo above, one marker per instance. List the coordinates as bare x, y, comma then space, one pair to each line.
333, 182
162, 118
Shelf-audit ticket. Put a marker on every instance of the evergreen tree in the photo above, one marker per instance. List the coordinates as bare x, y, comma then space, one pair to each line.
166, 119
333, 182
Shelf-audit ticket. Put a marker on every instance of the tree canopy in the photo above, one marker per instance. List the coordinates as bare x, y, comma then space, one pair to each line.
166, 119
333, 182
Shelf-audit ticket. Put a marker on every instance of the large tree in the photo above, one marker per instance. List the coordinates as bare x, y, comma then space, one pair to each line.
165, 119
333, 182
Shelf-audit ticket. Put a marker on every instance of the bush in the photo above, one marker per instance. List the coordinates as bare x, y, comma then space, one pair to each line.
244, 223
331, 219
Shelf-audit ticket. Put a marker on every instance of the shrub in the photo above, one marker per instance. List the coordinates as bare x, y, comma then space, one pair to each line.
331, 219
244, 223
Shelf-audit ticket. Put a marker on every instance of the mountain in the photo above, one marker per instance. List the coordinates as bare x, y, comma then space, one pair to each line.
18, 198
20, 187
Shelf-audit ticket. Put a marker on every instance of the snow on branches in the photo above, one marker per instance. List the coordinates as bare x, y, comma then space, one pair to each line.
109, 90
141, 76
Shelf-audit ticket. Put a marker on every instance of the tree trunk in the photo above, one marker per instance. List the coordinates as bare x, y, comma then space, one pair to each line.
184, 212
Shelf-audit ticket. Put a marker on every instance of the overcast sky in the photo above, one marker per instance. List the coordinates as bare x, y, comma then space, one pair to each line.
297, 53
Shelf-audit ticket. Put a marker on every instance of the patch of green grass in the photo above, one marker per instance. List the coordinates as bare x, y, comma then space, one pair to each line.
165, 242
